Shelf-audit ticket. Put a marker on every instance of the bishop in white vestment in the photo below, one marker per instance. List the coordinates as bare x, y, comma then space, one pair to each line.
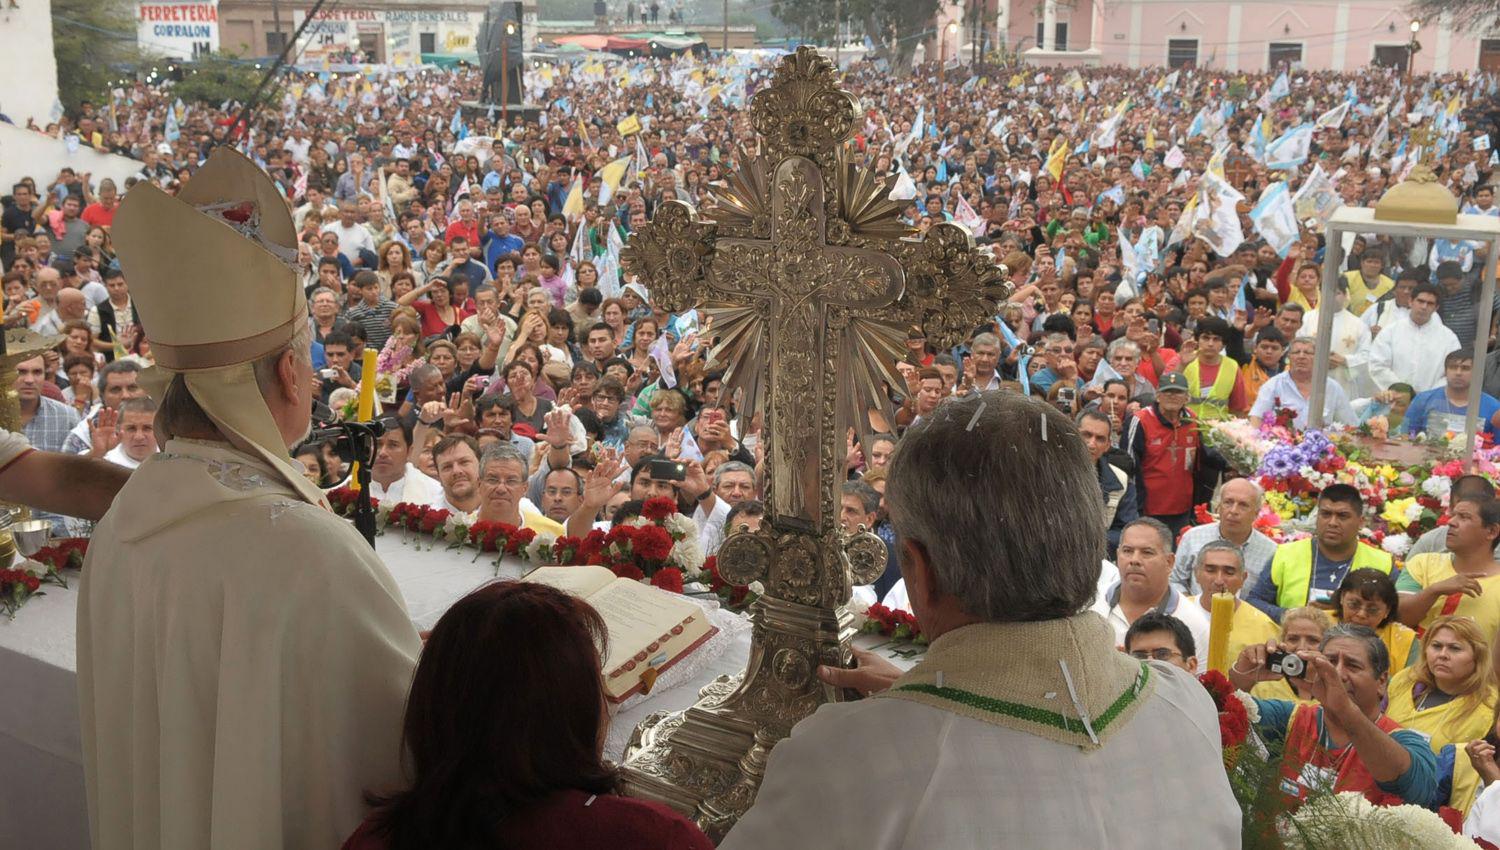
243, 655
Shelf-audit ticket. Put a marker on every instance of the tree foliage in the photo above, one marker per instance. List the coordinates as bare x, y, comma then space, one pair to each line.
90, 38
895, 26
1462, 15
218, 77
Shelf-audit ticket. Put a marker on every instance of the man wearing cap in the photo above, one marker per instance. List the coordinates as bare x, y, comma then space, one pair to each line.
243, 655
1164, 442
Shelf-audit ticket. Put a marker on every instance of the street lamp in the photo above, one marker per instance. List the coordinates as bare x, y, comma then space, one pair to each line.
1411, 49
510, 30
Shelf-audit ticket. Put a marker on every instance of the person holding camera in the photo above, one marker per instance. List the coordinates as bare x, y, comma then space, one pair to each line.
1343, 739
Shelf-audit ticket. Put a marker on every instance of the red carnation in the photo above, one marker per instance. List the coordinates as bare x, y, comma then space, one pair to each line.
658, 509
517, 541
32, 583
625, 569
652, 543
589, 550
433, 519
668, 578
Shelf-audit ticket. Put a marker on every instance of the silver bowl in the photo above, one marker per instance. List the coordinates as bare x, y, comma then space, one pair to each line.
31, 536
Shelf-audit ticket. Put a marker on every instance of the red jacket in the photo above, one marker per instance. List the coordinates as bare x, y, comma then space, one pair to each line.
1166, 458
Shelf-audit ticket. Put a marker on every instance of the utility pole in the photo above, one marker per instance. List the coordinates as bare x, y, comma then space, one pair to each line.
726, 26
276, 17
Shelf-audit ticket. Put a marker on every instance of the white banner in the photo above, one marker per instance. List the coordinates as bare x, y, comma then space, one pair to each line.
181, 30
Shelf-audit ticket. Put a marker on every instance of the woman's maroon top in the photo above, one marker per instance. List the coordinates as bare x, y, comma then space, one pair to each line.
581, 821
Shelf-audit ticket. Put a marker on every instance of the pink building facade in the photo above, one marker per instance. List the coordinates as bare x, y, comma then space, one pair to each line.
1230, 35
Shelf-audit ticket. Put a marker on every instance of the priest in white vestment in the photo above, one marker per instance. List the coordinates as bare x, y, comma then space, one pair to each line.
1412, 350
243, 655
1348, 345
1022, 727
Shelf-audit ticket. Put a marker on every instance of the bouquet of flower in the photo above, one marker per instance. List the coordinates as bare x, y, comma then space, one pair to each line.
893, 623
392, 367
501, 537
1236, 712
16, 589
1350, 820
63, 554
660, 545
342, 499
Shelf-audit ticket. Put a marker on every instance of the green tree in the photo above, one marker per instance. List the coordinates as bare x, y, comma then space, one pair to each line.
1462, 15
218, 77
895, 26
89, 39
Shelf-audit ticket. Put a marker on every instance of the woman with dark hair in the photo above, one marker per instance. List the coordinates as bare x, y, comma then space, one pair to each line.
439, 311
487, 769
1368, 598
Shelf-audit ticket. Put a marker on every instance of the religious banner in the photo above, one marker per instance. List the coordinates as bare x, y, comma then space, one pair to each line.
179, 30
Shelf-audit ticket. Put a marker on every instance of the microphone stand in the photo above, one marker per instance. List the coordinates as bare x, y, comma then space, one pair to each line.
356, 442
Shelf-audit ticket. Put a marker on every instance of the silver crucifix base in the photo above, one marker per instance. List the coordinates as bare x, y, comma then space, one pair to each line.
707, 762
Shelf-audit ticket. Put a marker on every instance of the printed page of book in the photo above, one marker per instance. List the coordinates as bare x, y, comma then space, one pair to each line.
647, 627
579, 581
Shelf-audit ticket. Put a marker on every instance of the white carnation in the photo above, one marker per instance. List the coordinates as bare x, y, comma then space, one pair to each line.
1413, 512
687, 555
638, 521
1251, 709
757, 588
1396, 544
1438, 485
540, 548
680, 527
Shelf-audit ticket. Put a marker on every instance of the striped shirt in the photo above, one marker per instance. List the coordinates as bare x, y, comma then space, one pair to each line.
374, 319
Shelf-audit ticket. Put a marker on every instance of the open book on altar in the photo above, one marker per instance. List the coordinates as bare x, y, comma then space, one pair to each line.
649, 628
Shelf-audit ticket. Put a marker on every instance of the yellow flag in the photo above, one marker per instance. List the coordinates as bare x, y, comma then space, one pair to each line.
614, 172
1453, 106
573, 206
1056, 159
1150, 137
1016, 81
629, 125
1216, 162
583, 131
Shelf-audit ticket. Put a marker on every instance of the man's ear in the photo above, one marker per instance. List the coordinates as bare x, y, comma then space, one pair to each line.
286, 374
916, 568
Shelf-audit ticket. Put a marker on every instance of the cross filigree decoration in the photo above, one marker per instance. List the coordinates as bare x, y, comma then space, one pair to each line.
801, 256
813, 282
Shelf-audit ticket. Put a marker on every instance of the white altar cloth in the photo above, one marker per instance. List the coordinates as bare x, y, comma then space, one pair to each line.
42, 803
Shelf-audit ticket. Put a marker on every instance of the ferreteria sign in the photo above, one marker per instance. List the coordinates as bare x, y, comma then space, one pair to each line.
177, 29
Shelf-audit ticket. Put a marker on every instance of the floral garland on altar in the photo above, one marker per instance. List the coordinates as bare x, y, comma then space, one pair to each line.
1402, 501
19, 586
659, 547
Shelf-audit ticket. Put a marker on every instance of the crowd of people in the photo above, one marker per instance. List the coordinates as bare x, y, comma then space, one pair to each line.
532, 382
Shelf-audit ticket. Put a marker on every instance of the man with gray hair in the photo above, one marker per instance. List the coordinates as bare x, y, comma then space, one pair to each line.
1344, 736
1220, 568
1022, 714
1240, 500
984, 362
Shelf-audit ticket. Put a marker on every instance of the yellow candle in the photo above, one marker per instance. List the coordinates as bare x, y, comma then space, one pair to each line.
1221, 618
366, 410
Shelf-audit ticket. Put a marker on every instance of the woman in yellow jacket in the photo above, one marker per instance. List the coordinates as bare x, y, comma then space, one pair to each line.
1449, 696
1367, 597
1301, 629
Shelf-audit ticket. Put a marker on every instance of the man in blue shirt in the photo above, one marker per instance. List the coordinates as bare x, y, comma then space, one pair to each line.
1442, 409
1343, 740
498, 240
